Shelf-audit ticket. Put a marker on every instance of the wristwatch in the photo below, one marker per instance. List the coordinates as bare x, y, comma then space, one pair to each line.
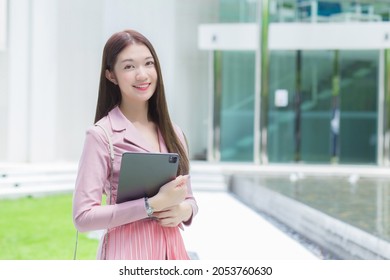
149, 209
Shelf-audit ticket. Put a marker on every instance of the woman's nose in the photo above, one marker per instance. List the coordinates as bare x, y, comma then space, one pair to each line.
141, 74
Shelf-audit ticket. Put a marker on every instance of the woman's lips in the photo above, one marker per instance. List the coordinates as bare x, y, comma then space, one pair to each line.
142, 87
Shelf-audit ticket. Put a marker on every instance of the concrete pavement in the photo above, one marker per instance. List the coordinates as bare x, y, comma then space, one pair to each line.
226, 229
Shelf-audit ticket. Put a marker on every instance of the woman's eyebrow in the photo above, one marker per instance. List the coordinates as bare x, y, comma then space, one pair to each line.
132, 60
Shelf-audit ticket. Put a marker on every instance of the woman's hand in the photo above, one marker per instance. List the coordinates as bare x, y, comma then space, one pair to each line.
170, 194
173, 216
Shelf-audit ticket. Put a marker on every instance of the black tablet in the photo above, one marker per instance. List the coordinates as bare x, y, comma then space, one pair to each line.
142, 174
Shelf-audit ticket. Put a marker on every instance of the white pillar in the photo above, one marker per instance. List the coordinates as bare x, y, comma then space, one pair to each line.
44, 68
32, 80
18, 132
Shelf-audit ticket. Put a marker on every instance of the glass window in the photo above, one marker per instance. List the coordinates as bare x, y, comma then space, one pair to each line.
281, 119
358, 106
238, 11
332, 115
236, 81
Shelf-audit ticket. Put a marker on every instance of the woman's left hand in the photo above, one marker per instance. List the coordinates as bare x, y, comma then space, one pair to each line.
175, 215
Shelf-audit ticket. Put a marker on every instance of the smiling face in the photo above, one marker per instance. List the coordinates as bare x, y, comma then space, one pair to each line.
135, 74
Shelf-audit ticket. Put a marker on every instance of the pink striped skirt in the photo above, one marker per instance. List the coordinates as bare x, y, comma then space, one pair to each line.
142, 240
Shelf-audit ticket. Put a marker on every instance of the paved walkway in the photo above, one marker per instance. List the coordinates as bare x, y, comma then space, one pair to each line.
226, 229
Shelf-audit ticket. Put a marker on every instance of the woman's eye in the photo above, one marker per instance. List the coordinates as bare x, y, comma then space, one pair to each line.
127, 67
150, 63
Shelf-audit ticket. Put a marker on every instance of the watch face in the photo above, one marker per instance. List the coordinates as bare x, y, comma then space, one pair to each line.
150, 211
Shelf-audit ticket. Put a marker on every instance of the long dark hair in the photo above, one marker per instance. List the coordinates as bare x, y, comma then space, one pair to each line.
110, 95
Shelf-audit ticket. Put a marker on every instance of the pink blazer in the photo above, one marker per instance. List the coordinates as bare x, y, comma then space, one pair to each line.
94, 174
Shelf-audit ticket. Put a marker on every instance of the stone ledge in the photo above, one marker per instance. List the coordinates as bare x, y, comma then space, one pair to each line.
343, 240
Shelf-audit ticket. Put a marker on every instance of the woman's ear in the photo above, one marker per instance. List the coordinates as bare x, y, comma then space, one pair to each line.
111, 77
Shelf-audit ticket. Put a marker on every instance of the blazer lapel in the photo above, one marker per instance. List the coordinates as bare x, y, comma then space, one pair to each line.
120, 123
133, 136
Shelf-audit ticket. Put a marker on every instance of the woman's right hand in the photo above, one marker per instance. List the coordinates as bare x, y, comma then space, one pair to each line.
170, 194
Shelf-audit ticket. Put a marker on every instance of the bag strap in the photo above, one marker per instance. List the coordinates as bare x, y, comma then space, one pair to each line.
112, 156
111, 146
109, 142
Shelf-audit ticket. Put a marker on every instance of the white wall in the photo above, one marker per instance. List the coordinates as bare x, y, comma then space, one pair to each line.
80, 45
51, 70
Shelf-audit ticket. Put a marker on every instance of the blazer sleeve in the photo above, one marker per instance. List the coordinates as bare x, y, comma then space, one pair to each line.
190, 197
91, 181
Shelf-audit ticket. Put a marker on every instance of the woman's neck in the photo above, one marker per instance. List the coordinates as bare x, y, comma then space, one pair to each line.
135, 113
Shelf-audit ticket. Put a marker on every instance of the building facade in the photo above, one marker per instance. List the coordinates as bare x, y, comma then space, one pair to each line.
255, 81
299, 82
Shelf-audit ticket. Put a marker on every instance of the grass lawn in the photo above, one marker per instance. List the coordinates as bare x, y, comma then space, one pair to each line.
41, 229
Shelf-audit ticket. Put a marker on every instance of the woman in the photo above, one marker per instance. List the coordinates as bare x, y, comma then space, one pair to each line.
132, 110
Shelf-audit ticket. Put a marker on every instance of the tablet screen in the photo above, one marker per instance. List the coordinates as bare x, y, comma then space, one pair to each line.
142, 174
